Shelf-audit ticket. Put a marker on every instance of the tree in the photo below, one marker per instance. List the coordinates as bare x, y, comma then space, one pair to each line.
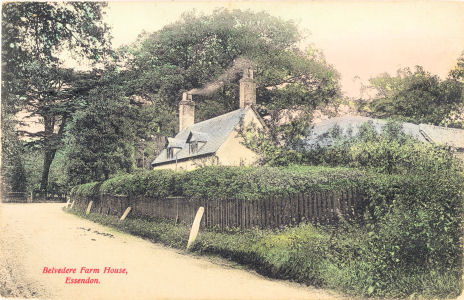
457, 72
414, 96
199, 49
99, 141
101, 137
456, 116
35, 34
13, 172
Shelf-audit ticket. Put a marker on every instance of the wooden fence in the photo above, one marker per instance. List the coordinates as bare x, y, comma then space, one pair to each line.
273, 212
23, 197
15, 197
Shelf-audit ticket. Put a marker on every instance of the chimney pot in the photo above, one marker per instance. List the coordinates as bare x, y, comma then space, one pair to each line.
187, 96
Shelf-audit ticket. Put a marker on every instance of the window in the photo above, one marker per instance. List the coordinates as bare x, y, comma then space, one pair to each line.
193, 147
170, 152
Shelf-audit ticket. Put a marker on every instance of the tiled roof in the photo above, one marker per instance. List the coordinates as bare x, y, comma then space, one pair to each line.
215, 131
444, 135
196, 136
349, 125
175, 143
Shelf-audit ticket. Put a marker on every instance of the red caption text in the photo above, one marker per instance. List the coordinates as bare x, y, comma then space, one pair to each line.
79, 279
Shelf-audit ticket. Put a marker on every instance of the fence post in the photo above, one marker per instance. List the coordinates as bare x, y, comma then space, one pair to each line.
266, 212
221, 212
89, 207
216, 212
307, 204
245, 213
236, 222
124, 215
274, 212
253, 213
229, 214
312, 207
195, 227
352, 201
239, 213
328, 208
226, 213
271, 212
315, 205
327, 213
250, 213
205, 204
338, 204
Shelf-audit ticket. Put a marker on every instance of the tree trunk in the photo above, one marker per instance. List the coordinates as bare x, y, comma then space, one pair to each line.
51, 145
49, 153
48, 159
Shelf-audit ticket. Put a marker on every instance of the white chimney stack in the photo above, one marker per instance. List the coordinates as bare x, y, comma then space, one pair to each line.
247, 88
186, 111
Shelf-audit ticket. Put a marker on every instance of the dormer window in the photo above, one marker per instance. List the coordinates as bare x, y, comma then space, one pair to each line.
173, 146
170, 152
196, 141
193, 147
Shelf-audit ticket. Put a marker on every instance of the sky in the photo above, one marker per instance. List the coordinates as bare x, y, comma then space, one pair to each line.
359, 38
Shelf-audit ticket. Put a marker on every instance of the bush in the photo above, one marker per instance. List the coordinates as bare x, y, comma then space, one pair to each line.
226, 182
254, 183
160, 183
91, 189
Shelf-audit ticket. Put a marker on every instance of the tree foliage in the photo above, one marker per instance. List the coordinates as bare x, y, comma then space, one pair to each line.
457, 72
200, 48
35, 36
13, 171
415, 96
100, 137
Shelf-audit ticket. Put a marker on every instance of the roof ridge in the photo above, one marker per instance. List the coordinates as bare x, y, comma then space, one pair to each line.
216, 117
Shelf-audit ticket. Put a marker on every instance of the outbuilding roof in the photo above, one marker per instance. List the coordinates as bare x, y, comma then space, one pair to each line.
444, 135
319, 135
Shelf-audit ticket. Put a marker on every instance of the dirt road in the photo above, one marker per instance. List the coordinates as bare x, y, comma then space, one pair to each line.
35, 236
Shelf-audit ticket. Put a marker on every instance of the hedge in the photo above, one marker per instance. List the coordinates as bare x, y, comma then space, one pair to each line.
225, 182
86, 189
